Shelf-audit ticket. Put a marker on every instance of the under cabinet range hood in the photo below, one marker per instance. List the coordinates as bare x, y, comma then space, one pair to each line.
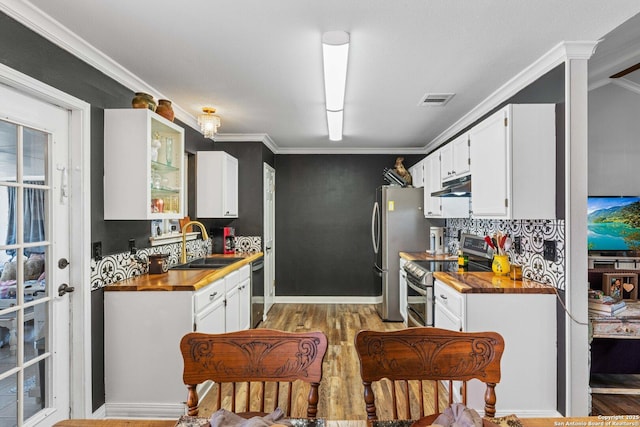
459, 187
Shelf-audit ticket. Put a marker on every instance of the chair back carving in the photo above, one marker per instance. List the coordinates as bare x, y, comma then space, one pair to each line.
428, 354
257, 359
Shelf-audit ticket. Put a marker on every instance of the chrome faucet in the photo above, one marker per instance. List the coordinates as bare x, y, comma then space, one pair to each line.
185, 227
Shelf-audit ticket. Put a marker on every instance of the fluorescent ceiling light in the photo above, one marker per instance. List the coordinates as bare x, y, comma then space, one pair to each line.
334, 120
335, 52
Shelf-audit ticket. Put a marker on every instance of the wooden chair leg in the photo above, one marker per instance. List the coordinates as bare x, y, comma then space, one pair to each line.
192, 400
490, 400
369, 401
312, 407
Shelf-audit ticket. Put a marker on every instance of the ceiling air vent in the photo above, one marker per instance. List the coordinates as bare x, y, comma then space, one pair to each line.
435, 99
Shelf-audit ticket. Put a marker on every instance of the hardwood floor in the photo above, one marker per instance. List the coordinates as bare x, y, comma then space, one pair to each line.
615, 404
341, 387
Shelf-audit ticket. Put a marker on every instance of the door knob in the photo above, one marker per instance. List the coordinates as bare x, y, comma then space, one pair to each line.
65, 289
62, 263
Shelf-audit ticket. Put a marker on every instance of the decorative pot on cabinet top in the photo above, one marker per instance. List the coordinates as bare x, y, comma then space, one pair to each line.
165, 109
143, 100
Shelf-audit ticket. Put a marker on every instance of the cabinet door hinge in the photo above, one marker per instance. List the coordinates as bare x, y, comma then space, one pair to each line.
506, 203
506, 121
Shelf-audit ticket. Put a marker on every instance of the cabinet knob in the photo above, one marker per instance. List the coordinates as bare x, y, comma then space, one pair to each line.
212, 296
443, 296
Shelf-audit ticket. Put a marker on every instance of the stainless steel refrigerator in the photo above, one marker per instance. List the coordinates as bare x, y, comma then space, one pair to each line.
397, 224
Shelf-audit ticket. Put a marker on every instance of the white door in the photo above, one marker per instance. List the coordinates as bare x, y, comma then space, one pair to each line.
269, 226
34, 237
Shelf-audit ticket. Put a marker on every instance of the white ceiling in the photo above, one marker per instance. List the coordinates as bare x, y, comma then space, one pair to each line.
259, 63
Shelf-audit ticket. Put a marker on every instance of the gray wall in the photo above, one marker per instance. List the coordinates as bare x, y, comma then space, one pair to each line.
323, 223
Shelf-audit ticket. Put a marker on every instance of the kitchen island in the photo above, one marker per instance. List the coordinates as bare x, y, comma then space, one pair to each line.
145, 318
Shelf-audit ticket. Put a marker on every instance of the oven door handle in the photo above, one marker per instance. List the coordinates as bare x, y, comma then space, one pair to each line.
418, 289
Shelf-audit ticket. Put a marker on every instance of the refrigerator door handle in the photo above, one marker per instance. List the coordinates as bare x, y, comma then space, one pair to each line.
375, 238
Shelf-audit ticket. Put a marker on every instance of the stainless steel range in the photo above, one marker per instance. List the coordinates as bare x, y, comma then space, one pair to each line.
420, 302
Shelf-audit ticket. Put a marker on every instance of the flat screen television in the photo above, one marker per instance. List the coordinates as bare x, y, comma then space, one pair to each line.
613, 224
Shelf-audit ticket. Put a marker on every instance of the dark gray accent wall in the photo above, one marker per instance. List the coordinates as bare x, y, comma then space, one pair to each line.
323, 222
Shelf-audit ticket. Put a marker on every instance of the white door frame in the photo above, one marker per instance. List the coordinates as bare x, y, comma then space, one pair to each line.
79, 239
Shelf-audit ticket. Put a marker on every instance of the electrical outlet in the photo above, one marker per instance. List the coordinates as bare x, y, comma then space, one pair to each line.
549, 250
517, 245
96, 250
132, 246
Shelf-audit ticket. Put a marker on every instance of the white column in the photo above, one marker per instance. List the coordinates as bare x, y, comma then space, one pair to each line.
576, 114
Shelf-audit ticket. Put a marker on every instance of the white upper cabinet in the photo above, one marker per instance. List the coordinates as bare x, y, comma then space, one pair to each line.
513, 163
440, 207
454, 158
216, 185
417, 174
143, 166
432, 206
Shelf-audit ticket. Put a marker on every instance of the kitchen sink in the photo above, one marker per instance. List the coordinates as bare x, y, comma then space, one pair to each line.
206, 263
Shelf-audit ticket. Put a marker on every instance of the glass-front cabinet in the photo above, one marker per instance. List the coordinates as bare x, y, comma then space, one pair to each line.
143, 166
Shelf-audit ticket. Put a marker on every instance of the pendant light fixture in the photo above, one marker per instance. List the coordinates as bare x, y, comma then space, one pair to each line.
209, 122
335, 53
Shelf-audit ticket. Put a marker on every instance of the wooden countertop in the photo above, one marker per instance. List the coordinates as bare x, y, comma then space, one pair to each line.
479, 282
486, 282
182, 280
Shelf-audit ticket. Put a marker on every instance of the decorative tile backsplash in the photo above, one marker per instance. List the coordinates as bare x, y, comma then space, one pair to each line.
121, 266
532, 233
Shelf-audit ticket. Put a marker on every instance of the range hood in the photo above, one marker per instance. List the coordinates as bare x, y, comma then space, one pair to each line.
459, 187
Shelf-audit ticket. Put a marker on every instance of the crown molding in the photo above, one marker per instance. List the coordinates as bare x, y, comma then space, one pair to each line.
351, 150
562, 52
627, 84
248, 137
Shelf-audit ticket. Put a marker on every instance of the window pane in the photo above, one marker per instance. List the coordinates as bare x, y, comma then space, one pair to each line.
33, 389
34, 222
8, 358
35, 146
8, 148
9, 401
35, 331
4, 227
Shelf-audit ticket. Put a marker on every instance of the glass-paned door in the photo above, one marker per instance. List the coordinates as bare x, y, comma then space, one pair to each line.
34, 321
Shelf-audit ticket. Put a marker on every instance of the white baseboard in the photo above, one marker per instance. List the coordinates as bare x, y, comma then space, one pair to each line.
144, 410
328, 300
99, 413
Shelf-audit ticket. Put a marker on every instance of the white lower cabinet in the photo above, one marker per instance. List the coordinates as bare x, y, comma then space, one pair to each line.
212, 317
245, 304
527, 322
143, 329
238, 308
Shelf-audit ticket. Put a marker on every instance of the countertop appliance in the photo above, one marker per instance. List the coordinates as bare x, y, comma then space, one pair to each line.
257, 291
397, 224
420, 301
224, 240
436, 240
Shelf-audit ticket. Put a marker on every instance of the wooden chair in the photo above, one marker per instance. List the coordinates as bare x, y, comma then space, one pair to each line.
263, 356
428, 354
